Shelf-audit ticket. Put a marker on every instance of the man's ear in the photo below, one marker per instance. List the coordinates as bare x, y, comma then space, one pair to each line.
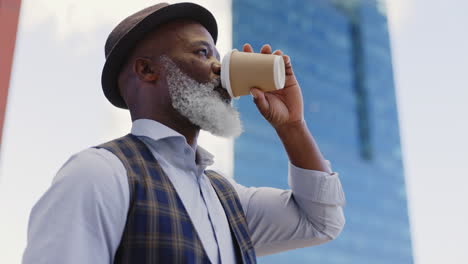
146, 69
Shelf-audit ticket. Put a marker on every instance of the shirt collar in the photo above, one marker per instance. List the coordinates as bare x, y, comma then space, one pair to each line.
157, 131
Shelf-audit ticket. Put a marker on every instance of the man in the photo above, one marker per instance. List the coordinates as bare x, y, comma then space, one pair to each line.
146, 197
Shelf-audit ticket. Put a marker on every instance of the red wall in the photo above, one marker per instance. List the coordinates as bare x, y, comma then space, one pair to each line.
9, 14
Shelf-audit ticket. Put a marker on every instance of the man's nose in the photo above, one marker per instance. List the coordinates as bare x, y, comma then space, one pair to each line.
216, 68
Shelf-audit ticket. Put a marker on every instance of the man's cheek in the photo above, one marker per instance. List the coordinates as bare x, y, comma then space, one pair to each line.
199, 71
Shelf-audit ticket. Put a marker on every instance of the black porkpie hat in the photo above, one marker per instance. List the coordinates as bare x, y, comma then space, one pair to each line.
132, 29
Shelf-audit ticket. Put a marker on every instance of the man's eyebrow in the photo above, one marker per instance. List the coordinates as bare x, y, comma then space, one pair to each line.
207, 44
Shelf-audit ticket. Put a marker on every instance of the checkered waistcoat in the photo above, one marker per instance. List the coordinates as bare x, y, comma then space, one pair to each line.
158, 228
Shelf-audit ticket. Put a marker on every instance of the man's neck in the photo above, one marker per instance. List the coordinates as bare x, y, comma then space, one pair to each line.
178, 123
190, 132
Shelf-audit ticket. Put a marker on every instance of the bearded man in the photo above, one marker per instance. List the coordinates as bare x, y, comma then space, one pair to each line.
146, 197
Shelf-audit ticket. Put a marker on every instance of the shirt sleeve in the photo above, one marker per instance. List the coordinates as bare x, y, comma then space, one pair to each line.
81, 217
309, 214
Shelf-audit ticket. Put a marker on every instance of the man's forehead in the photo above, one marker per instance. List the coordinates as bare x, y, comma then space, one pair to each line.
181, 33
193, 30
186, 29
191, 33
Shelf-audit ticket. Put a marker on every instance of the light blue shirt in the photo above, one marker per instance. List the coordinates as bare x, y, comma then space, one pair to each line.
81, 218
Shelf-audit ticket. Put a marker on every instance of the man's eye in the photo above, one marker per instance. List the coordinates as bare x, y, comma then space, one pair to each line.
203, 52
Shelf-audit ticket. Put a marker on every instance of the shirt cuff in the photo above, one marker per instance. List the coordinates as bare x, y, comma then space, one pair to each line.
316, 186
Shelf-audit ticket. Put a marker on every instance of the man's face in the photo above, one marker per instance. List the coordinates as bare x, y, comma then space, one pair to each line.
192, 72
194, 52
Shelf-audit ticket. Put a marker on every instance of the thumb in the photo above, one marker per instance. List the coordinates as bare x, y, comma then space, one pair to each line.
260, 100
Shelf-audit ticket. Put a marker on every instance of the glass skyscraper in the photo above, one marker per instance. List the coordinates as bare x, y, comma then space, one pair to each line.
341, 56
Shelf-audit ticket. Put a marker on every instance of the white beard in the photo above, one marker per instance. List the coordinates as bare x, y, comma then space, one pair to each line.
200, 103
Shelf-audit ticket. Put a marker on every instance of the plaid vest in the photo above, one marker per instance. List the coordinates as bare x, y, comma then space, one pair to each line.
158, 228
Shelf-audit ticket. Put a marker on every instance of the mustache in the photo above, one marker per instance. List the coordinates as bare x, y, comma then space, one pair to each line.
216, 82
172, 66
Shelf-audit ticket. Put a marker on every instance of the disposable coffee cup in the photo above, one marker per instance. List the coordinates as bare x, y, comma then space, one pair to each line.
240, 71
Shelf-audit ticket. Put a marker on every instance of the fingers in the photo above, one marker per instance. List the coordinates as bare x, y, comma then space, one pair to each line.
278, 52
260, 100
287, 64
266, 49
247, 48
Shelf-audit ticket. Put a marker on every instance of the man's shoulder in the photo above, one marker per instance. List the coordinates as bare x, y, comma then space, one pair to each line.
92, 165
90, 192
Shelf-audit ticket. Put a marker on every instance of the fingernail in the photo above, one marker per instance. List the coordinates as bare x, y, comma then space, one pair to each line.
252, 94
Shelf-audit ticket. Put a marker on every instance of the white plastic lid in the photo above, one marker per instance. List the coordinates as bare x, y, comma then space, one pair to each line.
279, 72
225, 81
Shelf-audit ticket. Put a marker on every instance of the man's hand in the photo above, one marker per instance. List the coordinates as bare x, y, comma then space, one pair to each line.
281, 107
285, 112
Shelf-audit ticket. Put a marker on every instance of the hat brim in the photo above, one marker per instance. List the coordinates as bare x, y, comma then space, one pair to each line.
125, 45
